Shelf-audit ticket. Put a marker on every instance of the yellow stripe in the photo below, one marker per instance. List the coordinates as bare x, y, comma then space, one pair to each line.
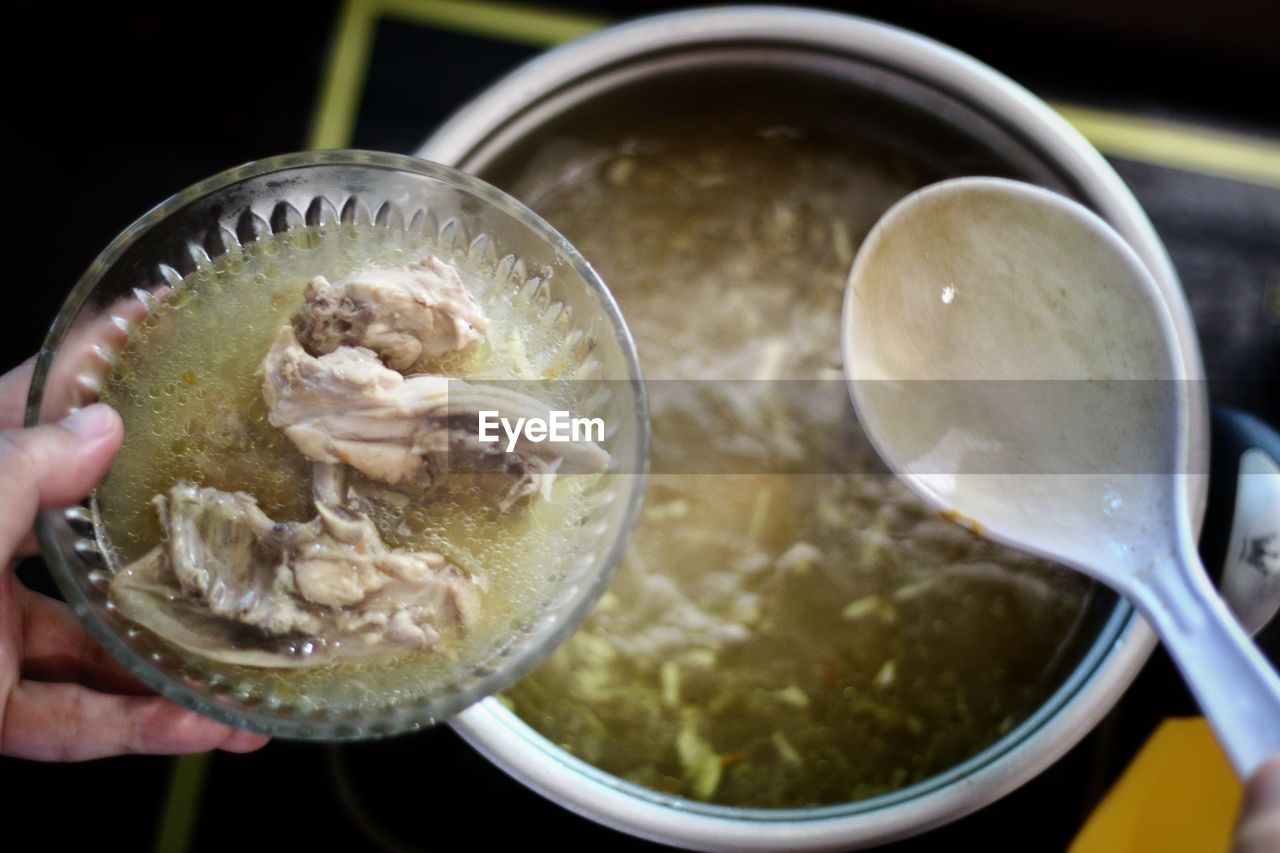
182, 805
1180, 146
334, 119
513, 22
1162, 143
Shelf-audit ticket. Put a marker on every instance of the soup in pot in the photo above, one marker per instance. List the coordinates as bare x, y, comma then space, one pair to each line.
791, 626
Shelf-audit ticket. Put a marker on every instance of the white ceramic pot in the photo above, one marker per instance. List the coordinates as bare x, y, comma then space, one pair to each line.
618, 68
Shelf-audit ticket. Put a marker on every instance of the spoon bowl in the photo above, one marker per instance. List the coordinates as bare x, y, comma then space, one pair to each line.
1013, 360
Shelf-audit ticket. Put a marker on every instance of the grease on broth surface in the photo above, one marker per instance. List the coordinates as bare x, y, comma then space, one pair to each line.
773, 639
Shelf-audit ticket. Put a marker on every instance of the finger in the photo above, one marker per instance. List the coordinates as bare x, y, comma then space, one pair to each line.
56, 647
27, 546
1259, 833
67, 722
13, 394
85, 354
13, 406
52, 465
1263, 790
242, 742
1259, 829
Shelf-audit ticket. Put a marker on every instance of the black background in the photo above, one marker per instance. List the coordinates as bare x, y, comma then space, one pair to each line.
111, 109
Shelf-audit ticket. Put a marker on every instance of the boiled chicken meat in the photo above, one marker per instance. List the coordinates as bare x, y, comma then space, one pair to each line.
401, 313
346, 407
331, 578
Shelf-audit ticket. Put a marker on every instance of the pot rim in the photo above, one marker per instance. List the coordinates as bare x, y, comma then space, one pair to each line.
1124, 643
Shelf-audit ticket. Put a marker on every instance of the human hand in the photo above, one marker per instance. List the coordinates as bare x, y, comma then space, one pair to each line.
62, 696
1258, 830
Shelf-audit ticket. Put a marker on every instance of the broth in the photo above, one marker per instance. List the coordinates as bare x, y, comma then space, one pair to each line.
188, 387
773, 639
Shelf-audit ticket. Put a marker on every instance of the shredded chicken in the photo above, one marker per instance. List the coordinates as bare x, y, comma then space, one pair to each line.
401, 313
347, 407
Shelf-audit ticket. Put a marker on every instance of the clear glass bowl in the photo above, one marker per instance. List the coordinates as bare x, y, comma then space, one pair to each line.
461, 218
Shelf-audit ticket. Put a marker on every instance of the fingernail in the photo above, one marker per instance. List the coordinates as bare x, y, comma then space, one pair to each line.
90, 422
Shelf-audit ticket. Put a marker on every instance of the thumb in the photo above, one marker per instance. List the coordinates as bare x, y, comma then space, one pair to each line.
52, 465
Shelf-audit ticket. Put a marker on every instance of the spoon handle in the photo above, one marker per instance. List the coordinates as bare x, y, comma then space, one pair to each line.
1233, 682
